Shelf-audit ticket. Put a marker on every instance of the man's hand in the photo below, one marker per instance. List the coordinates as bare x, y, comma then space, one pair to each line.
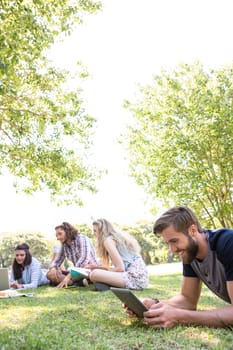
147, 302
67, 281
161, 315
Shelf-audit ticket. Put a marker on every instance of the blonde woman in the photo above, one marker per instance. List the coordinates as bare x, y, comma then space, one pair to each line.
119, 253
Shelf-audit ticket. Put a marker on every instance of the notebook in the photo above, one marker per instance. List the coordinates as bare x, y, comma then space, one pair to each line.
4, 279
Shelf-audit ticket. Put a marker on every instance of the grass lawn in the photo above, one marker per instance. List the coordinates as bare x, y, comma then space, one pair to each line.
80, 318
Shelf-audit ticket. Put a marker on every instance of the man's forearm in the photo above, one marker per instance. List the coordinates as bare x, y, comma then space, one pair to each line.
181, 302
221, 317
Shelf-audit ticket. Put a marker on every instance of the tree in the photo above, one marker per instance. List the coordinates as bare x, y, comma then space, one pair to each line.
181, 142
153, 249
45, 134
39, 247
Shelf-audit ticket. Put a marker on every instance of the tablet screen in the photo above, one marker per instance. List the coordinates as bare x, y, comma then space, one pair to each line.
130, 300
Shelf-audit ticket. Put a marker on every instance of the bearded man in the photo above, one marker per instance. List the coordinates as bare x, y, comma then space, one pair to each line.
207, 257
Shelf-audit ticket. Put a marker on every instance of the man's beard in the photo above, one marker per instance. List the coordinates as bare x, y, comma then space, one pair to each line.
190, 251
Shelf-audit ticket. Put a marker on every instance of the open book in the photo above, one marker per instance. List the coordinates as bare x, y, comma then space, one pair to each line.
12, 293
79, 272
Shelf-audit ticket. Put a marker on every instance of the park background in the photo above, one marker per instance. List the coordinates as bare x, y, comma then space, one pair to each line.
124, 44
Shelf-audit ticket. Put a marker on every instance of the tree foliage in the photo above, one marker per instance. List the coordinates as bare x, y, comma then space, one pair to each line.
45, 134
40, 248
153, 249
181, 141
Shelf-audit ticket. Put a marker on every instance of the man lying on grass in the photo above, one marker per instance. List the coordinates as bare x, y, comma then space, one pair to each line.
207, 256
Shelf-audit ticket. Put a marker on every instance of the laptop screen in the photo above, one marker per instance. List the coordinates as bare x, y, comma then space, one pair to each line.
4, 279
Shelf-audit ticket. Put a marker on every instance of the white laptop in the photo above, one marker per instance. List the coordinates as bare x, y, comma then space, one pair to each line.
4, 279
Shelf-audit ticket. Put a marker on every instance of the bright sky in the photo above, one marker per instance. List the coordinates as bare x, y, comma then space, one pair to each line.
125, 44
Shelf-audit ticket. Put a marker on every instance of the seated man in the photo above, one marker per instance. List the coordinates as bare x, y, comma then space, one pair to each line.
77, 248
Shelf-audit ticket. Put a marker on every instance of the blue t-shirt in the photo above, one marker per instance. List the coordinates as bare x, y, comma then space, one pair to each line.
217, 267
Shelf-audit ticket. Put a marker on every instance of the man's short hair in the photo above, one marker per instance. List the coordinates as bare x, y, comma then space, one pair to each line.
180, 217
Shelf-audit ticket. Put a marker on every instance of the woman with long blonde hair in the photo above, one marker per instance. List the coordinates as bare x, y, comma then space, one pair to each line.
122, 265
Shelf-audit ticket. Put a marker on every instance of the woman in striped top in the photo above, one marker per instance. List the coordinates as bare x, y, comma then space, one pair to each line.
26, 271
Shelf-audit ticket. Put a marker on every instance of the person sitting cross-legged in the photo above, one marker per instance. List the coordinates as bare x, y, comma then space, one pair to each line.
119, 252
77, 248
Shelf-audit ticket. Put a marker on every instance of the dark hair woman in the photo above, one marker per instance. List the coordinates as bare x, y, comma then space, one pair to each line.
26, 271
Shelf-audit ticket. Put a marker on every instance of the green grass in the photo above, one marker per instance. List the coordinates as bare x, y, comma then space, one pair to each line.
80, 318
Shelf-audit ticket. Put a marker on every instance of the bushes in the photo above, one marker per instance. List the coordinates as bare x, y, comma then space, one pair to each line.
39, 247
153, 249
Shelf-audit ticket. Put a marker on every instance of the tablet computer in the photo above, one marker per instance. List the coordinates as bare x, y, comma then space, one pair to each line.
130, 300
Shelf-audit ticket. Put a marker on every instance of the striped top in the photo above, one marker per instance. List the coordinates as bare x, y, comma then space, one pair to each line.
32, 275
81, 252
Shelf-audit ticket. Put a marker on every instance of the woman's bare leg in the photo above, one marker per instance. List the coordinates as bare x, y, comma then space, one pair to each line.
108, 277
